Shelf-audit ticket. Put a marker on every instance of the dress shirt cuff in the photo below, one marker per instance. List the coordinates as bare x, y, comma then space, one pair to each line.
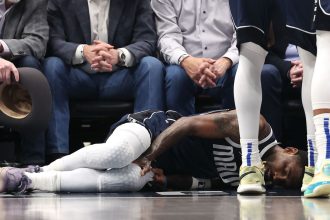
78, 57
175, 58
183, 57
232, 56
129, 57
6, 51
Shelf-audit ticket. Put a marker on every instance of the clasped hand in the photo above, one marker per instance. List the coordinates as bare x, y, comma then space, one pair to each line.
296, 73
205, 71
101, 56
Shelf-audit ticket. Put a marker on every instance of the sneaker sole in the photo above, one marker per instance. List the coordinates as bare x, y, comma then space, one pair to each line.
251, 189
303, 188
322, 189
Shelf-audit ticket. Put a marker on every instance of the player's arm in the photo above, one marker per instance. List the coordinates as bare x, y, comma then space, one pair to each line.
162, 182
216, 125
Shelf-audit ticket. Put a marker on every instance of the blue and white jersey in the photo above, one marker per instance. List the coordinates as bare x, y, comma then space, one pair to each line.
198, 157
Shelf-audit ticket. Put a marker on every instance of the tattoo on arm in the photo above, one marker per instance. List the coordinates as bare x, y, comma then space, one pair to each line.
227, 124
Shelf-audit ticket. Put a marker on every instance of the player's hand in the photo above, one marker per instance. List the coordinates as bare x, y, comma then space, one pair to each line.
296, 73
7, 69
159, 179
159, 176
145, 165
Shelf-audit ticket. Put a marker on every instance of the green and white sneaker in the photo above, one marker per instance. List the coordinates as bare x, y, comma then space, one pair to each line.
251, 180
320, 184
308, 176
316, 209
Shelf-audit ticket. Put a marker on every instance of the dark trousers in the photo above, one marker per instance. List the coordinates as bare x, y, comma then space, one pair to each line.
143, 83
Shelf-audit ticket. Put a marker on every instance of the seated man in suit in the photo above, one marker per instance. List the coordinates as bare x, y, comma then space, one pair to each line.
23, 39
186, 148
100, 50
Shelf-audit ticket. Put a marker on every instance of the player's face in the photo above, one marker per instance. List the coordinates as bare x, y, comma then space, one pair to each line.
285, 170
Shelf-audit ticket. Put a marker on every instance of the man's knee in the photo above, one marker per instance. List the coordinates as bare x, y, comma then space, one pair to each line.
53, 68
28, 61
151, 64
150, 69
271, 76
176, 75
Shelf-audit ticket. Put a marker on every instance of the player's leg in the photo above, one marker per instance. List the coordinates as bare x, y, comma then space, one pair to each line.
320, 184
126, 143
302, 34
308, 60
249, 17
80, 180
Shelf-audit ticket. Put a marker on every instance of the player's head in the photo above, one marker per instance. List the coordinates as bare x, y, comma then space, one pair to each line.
285, 167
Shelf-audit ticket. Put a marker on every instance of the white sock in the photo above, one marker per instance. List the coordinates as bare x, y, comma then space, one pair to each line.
126, 143
321, 95
311, 150
248, 97
308, 60
322, 137
250, 154
320, 85
45, 181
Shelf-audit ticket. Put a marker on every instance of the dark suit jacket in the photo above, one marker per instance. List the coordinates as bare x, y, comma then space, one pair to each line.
25, 30
131, 25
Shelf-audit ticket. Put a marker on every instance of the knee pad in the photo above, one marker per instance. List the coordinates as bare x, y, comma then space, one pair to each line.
126, 143
115, 155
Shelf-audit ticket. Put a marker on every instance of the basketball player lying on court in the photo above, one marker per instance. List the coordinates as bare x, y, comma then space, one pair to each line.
201, 146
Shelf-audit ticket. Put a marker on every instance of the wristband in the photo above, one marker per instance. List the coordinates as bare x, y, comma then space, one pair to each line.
200, 184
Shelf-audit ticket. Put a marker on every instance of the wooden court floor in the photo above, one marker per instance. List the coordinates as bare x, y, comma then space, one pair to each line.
287, 205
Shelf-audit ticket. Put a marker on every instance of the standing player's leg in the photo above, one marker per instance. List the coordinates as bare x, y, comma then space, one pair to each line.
320, 185
126, 143
308, 60
251, 36
302, 34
